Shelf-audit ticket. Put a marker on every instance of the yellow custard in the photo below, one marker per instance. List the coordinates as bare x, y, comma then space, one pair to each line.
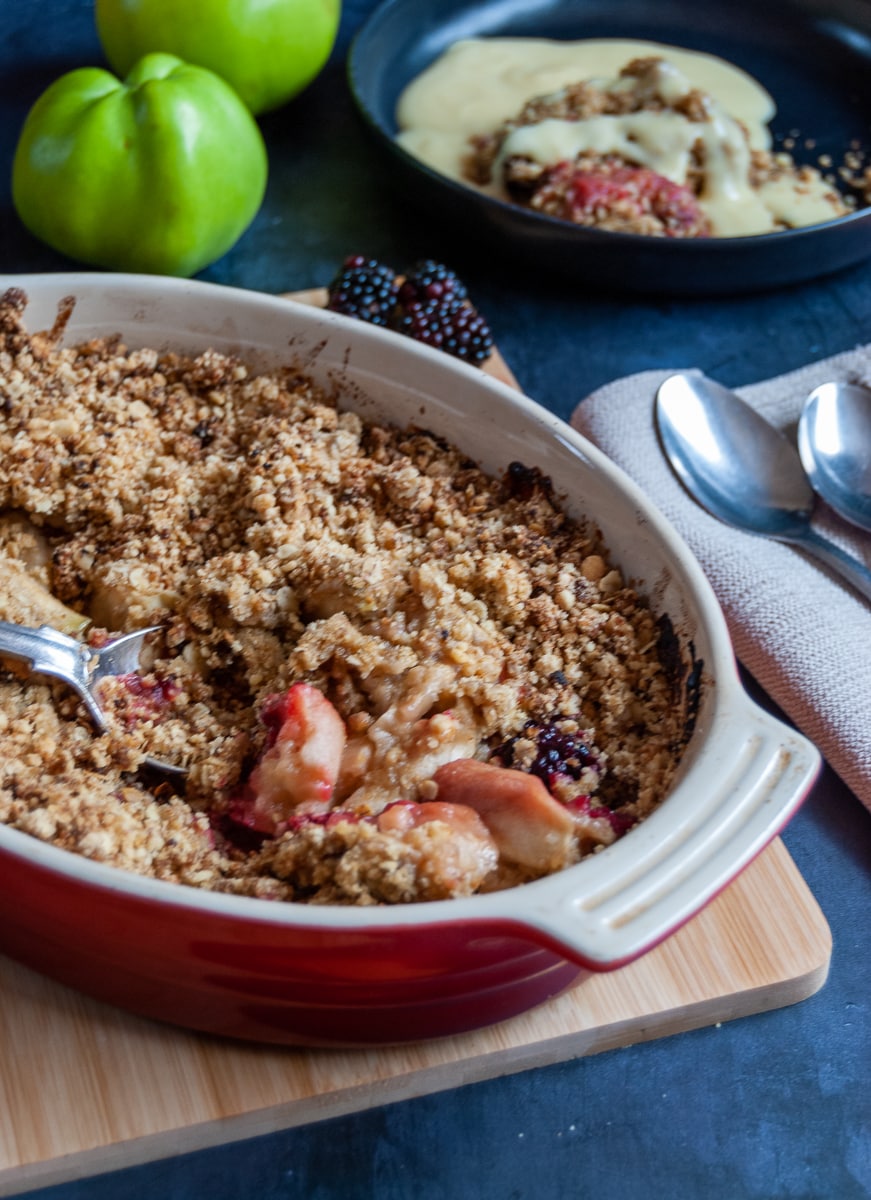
479, 84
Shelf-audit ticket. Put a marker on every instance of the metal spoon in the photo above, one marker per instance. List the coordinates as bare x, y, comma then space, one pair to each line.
834, 442
48, 652
743, 470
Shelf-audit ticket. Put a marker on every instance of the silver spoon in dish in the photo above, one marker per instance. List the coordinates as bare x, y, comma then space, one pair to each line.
47, 651
834, 443
743, 470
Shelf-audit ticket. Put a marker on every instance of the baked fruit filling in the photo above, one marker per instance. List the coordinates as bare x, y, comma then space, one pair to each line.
388, 676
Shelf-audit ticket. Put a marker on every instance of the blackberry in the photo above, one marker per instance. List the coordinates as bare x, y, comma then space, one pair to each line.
523, 482
447, 324
558, 750
430, 280
365, 289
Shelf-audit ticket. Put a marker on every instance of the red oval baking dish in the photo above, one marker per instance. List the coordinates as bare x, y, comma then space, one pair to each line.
338, 975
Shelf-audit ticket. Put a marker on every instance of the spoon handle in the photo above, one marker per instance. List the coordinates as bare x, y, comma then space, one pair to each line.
49, 652
855, 573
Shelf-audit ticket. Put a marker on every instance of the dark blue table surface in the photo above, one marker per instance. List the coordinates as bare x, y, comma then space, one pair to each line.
775, 1105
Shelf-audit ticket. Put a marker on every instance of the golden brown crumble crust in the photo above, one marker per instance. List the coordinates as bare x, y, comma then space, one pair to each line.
275, 539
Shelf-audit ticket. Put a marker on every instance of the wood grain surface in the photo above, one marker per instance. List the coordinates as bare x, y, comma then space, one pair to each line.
86, 1089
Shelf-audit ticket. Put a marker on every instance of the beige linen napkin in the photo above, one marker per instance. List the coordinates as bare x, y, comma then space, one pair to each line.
804, 635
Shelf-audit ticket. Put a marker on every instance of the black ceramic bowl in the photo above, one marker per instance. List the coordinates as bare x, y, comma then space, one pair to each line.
813, 56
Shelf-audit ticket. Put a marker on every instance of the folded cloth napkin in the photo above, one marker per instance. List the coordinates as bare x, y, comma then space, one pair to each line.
801, 632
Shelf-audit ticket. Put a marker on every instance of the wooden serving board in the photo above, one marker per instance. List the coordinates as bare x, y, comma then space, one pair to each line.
86, 1089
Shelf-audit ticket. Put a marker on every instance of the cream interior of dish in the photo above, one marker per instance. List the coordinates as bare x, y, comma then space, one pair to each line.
478, 84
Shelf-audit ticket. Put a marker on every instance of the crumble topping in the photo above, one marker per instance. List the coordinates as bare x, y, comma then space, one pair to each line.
389, 676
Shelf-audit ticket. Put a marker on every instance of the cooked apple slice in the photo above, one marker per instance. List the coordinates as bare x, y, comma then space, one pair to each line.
455, 850
529, 827
26, 601
301, 765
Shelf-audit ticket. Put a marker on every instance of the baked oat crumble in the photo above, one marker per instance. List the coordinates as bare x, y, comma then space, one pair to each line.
390, 677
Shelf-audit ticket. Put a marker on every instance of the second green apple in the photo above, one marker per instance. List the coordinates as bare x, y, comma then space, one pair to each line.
267, 50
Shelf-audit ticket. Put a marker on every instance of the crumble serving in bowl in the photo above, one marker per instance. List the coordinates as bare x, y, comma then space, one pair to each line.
817, 77
346, 973
390, 677
672, 144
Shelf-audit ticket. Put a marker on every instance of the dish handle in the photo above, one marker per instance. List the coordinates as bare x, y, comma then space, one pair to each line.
725, 810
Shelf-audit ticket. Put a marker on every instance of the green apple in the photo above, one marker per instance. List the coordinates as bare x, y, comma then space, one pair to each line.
161, 173
267, 50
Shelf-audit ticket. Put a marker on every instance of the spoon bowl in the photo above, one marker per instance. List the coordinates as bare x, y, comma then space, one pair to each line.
834, 443
47, 651
742, 469
730, 458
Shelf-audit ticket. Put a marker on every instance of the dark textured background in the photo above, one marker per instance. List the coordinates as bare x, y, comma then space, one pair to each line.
771, 1106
